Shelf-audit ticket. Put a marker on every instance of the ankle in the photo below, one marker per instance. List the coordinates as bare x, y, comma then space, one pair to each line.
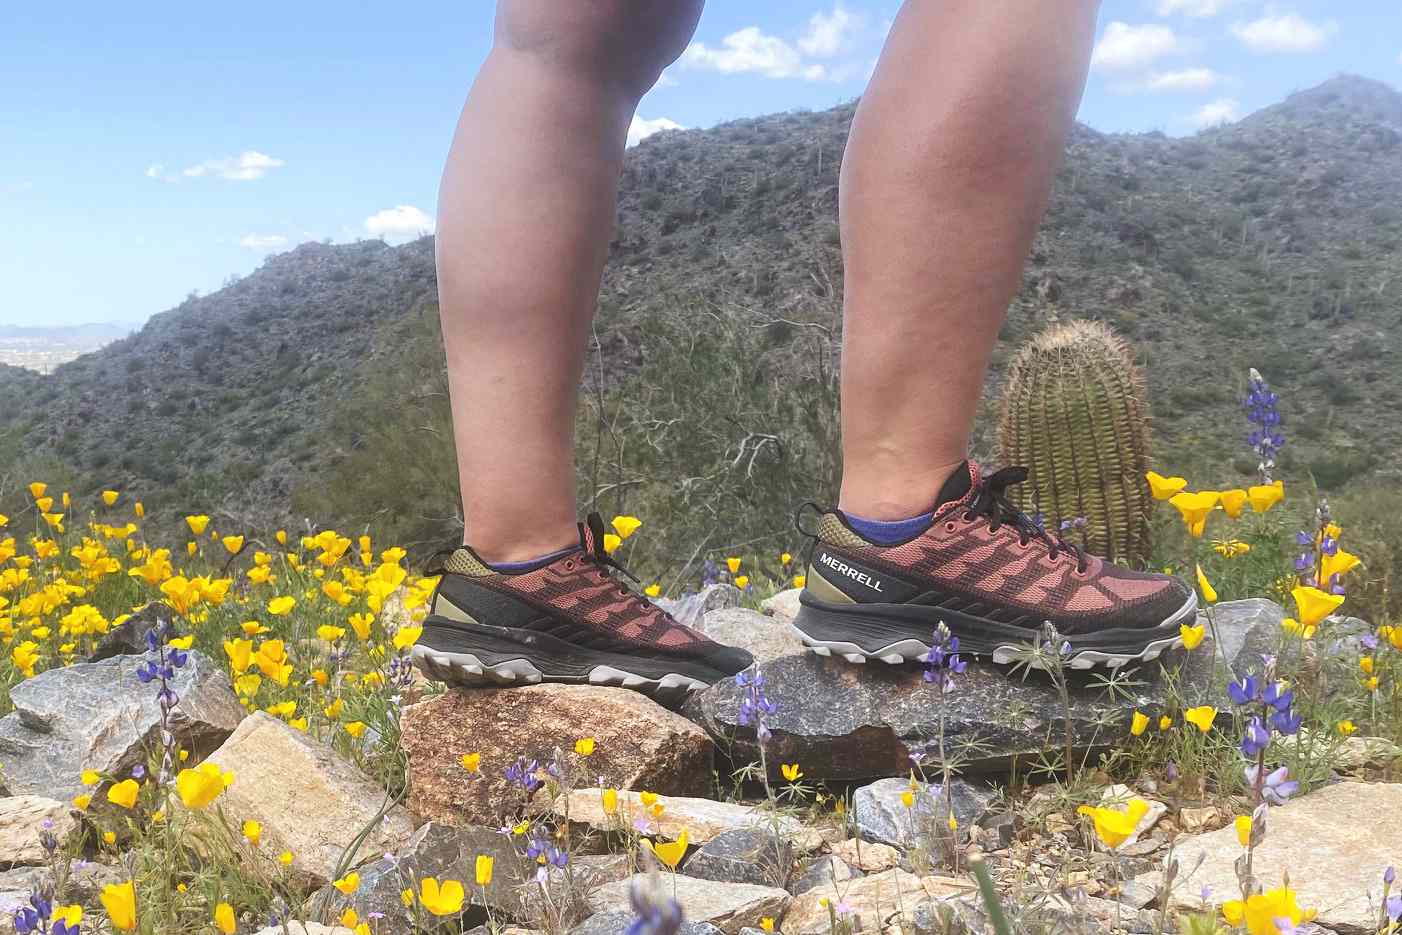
506, 550
894, 494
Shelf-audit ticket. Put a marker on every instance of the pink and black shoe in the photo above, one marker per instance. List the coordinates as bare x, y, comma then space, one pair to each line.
566, 620
993, 576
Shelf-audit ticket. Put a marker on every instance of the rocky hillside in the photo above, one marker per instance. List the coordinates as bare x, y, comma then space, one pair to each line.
1271, 243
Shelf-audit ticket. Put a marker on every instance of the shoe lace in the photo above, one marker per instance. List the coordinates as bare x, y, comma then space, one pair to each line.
605, 564
991, 501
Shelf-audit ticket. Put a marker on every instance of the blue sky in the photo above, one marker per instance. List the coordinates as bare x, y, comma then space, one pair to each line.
150, 149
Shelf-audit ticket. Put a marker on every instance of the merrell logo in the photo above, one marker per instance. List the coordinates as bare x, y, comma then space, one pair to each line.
842, 568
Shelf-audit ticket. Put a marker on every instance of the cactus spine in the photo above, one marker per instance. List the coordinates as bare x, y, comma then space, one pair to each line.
1074, 414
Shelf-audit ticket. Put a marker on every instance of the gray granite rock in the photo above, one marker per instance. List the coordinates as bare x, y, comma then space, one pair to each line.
616, 923
745, 855
128, 638
690, 608
83, 884
766, 638
881, 814
25, 820
782, 606
1335, 843
824, 871
435, 850
964, 916
98, 715
853, 722
728, 906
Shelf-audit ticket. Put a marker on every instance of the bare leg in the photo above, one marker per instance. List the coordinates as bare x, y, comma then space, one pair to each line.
947, 173
525, 216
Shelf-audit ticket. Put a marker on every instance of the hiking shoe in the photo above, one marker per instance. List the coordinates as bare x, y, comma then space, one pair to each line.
991, 574
567, 621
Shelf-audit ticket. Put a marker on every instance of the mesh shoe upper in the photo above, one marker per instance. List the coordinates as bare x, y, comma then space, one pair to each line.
576, 597
974, 560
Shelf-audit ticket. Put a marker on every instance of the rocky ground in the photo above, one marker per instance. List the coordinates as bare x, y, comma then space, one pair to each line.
848, 831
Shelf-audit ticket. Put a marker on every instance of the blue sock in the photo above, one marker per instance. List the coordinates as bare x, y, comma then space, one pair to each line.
516, 568
889, 532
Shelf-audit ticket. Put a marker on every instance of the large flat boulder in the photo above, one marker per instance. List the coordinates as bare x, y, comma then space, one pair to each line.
99, 716
1335, 843
25, 820
308, 798
703, 820
638, 745
765, 638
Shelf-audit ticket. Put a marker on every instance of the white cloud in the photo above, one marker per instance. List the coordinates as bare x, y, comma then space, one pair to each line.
1188, 79
640, 129
1123, 47
751, 51
829, 33
262, 241
1222, 110
1288, 32
402, 222
155, 171
1197, 8
245, 167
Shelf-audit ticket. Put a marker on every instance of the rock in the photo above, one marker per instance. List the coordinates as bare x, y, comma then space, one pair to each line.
872, 902
764, 637
304, 928
825, 871
881, 815
128, 638
703, 819
617, 923
690, 608
1352, 752
1135, 894
997, 831
638, 745
24, 819
1072, 914
728, 906
98, 715
1335, 843
435, 850
745, 855
83, 883
1198, 818
867, 855
782, 606
1117, 796
1247, 628
949, 917
850, 722
307, 798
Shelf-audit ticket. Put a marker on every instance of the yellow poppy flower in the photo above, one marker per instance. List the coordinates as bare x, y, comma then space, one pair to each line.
1165, 722
670, 853
1192, 636
281, 605
1162, 487
1201, 717
1261, 910
1209, 593
1291, 625
200, 786
610, 801
119, 899
253, 832
626, 525
1233, 502
1265, 496
767, 924
81, 802
800, 580
1347, 728
584, 746
124, 793
611, 542
653, 590
36, 489
482, 868
472, 762
742, 581
649, 799
348, 884
443, 899
197, 524
1313, 605
232, 544
1194, 508
224, 919
406, 637
1114, 825
1243, 829
733, 564
1340, 563
1138, 724
109, 497
791, 771
90, 777
285, 858
1366, 664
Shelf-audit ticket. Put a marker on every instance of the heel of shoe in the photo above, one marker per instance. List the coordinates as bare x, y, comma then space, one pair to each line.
827, 632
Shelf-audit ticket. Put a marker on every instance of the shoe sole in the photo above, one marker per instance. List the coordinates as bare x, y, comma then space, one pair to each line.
1164, 637
468, 670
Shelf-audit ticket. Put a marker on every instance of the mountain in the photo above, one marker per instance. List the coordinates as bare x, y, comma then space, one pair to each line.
44, 347
313, 386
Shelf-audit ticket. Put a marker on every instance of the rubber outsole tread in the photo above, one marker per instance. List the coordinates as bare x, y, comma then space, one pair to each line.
466, 670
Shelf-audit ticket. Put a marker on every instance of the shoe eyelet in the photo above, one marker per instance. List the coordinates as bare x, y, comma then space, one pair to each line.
950, 526
569, 565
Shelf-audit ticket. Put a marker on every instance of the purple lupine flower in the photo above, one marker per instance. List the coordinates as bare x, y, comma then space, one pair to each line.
654, 914
755, 705
523, 773
1264, 438
1279, 787
1245, 691
1256, 739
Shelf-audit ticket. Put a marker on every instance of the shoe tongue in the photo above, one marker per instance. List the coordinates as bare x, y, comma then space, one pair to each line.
959, 484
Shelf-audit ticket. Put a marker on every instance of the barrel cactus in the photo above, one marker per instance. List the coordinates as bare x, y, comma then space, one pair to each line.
1074, 414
